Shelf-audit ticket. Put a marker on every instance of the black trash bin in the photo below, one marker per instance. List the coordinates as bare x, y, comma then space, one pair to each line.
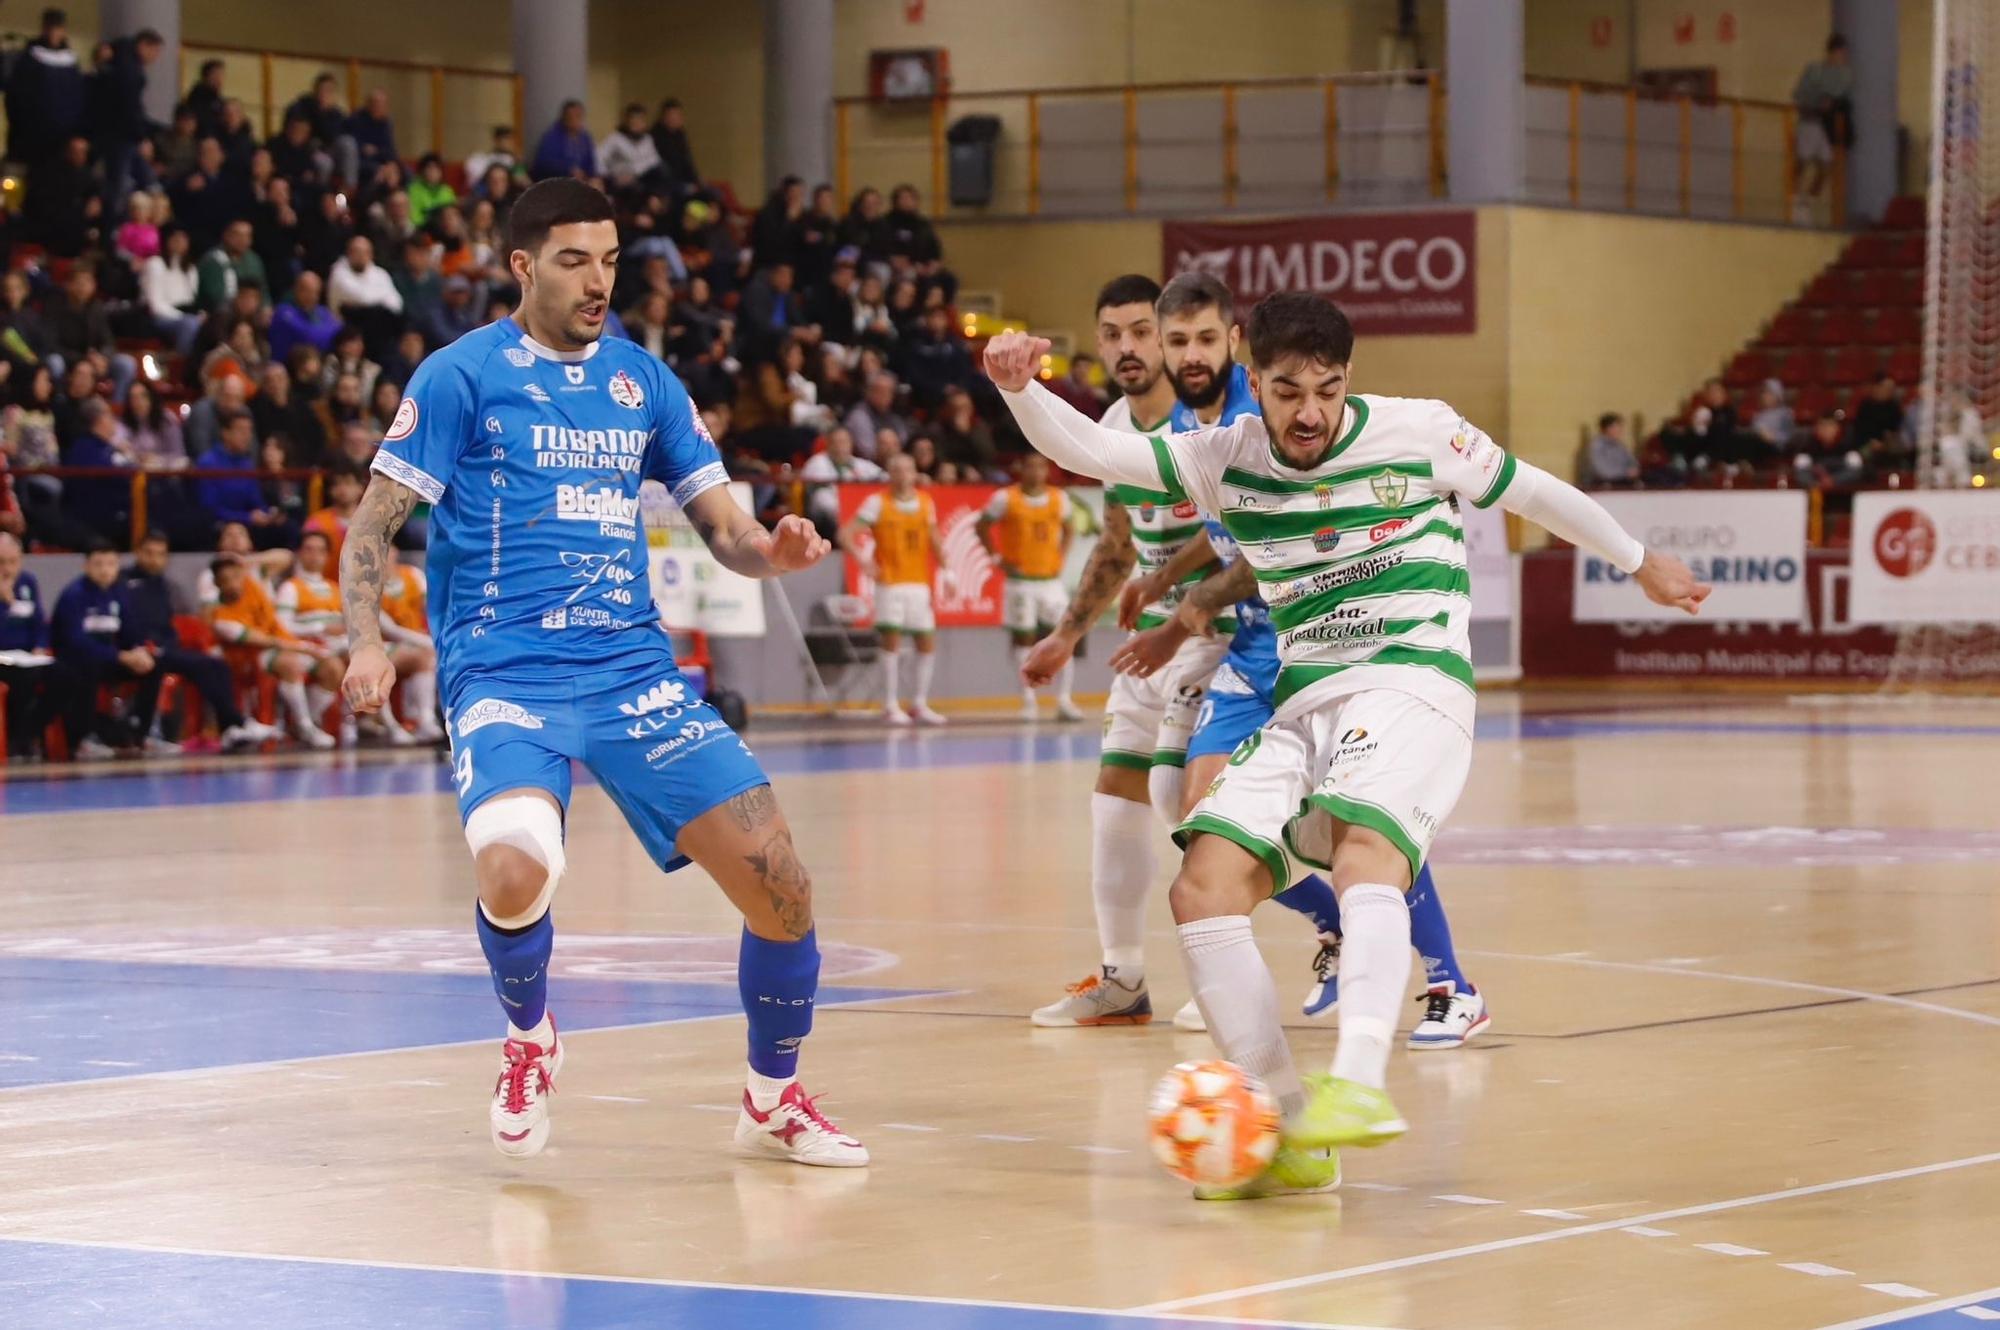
972, 141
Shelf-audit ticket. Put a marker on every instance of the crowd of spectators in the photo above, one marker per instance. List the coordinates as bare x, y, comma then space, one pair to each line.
1760, 438
234, 316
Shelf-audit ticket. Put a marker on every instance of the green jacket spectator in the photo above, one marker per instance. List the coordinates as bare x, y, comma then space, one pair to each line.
229, 267
429, 191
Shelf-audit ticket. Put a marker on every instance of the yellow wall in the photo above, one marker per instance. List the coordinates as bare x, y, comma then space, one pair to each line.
1630, 313
1578, 312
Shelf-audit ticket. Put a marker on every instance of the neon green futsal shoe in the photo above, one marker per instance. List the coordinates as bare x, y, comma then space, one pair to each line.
1293, 1172
1339, 1112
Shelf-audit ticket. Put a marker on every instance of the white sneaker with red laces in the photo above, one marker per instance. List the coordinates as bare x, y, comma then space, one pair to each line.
520, 1112
793, 1129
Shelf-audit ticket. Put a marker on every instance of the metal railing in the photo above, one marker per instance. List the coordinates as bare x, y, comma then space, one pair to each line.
446, 109
1615, 148
1265, 145
141, 480
1254, 144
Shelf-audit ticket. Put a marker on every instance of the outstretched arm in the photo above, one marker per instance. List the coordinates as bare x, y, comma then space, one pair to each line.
742, 546
1067, 437
1566, 511
364, 560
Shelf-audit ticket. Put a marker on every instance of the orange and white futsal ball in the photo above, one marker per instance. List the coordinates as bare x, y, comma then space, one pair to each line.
1212, 1124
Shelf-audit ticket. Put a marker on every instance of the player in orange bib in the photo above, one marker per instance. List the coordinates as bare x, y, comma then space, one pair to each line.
902, 560
246, 622
308, 605
1026, 527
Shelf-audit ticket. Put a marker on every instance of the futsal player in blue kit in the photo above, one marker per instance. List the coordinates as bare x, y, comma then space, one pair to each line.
1213, 389
530, 438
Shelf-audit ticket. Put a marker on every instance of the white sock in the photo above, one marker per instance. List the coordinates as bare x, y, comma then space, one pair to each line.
926, 667
543, 1034
1165, 783
1374, 971
891, 664
1063, 677
1238, 999
766, 1091
1020, 661
1121, 873
318, 699
420, 698
293, 695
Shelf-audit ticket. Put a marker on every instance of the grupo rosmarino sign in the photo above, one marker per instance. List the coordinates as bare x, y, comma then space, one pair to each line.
1392, 273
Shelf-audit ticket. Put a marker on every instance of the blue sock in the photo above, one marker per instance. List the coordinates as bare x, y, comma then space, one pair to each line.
1313, 897
519, 958
1430, 934
778, 981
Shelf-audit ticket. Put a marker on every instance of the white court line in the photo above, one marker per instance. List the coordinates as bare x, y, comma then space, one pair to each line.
1456, 1199
1730, 1249
1900, 1290
1642, 1231
1815, 1269
908, 1126
1827, 990
232, 1068
1005, 1140
1555, 1214
1902, 1314
1562, 1234
848, 1294
1980, 1313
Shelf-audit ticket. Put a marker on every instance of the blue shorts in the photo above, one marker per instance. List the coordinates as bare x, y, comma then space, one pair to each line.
663, 755
1226, 719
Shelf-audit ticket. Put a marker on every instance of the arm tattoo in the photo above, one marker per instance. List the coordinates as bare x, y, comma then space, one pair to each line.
364, 555
1220, 590
1109, 565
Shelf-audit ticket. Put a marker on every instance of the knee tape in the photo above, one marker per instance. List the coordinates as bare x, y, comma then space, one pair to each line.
532, 826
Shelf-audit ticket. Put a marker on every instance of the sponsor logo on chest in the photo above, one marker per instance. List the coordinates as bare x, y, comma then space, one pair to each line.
615, 512
590, 449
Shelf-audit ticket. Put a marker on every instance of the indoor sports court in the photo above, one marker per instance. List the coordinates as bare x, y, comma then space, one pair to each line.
1739, 954
912, 459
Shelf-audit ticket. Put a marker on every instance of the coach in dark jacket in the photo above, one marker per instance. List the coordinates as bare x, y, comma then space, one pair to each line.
45, 94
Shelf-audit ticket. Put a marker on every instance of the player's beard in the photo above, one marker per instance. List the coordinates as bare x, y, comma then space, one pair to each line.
1139, 389
1207, 395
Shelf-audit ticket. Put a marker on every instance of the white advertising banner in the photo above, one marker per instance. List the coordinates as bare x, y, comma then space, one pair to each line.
1489, 562
1929, 556
692, 589
1749, 544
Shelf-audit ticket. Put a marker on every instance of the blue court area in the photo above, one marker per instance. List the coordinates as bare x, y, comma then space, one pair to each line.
52, 1287
338, 778
80, 1020
1981, 1310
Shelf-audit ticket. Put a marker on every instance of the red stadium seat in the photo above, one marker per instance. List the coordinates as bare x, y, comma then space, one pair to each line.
1792, 327
1812, 402
1851, 365
1906, 364
1839, 327
1897, 326
1905, 213
1907, 251
1835, 286
1870, 250
1795, 368
1750, 367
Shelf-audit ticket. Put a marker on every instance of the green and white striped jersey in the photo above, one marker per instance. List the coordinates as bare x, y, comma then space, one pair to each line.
1362, 558
1161, 525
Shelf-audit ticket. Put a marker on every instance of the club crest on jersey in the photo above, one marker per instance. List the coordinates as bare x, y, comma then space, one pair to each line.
1391, 490
573, 373
520, 357
1323, 495
625, 391
1325, 539
405, 421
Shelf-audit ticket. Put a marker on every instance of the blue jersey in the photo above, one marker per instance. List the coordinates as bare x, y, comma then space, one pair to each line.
1253, 652
532, 459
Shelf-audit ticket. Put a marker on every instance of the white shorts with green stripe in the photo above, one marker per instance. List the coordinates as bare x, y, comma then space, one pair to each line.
1149, 721
1380, 759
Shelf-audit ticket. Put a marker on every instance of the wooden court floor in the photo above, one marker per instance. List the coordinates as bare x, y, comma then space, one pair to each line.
1743, 956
